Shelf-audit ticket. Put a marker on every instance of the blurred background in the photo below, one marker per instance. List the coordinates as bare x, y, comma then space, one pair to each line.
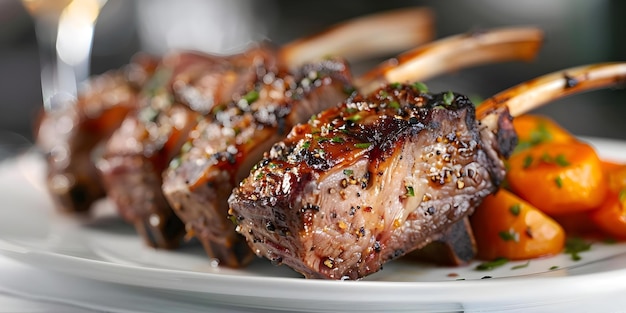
578, 32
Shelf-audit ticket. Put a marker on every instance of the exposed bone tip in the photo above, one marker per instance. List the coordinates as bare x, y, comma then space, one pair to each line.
536, 92
377, 34
455, 52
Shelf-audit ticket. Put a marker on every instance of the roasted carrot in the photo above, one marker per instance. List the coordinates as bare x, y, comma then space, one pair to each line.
505, 226
578, 224
536, 129
616, 176
610, 217
610, 166
558, 177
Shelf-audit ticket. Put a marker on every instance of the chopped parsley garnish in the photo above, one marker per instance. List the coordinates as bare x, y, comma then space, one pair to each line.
175, 163
515, 209
487, 266
395, 85
558, 181
394, 105
348, 172
158, 80
306, 145
409, 191
421, 87
354, 118
349, 90
622, 195
186, 147
218, 108
546, 158
561, 160
574, 246
520, 266
553, 267
322, 139
337, 139
251, 96
149, 114
538, 135
476, 99
362, 145
509, 235
448, 98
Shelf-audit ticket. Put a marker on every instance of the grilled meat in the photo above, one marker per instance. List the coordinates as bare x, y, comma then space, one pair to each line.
225, 145
185, 86
456, 246
198, 185
368, 181
69, 136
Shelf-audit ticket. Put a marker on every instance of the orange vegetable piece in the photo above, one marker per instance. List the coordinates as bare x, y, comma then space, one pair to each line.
610, 166
616, 176
578, 224
536, 129
558, 177
610, 217
506, 226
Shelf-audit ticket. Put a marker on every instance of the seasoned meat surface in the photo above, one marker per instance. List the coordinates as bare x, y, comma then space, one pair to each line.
224, 146
368, 181
70, 135
185, 86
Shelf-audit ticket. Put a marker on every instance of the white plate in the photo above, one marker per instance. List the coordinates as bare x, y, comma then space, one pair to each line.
101, 247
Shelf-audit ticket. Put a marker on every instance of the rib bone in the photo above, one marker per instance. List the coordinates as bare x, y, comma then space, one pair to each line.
453, 53
376, 34
544, 89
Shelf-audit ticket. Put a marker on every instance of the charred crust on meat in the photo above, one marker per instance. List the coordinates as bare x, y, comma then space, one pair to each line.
506, 136
347, 129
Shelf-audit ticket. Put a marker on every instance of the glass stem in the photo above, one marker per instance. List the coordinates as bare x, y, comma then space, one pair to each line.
46, 31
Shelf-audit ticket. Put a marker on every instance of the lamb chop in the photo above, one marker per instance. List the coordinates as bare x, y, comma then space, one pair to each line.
369, 181
381, 175
70, 136
222, 149
186, 86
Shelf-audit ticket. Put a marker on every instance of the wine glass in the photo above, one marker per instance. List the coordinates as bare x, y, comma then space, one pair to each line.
64, 30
